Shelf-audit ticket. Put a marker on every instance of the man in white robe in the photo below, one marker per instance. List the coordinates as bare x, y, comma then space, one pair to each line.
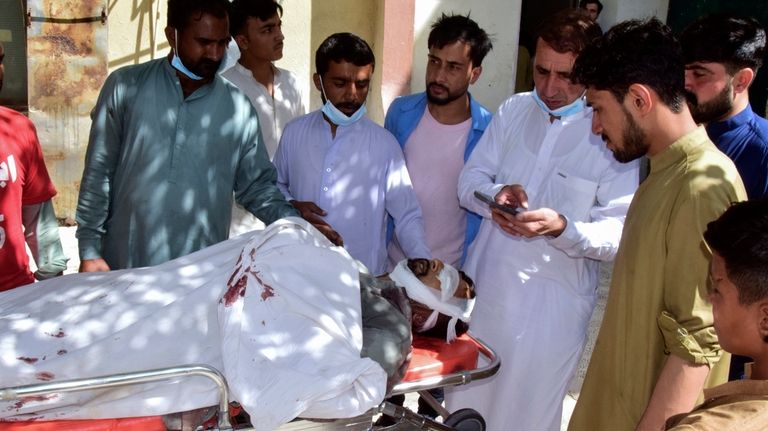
536, 273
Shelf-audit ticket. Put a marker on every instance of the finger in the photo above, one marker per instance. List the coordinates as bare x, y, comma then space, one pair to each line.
315, 209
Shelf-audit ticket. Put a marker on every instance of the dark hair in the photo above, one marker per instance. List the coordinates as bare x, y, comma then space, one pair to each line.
340, 47
736, 42
451, 28
635, 52
241, 10
569, 30
583, 4
181, 12
740, 237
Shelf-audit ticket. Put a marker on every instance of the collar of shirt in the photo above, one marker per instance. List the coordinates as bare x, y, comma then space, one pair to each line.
737, 387
679, 149
718, 128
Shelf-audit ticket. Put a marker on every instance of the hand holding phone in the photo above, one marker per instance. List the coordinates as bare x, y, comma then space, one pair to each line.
493, 204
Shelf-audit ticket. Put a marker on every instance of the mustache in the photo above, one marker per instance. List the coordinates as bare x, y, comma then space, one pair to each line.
691, 98
435, 84
349, 106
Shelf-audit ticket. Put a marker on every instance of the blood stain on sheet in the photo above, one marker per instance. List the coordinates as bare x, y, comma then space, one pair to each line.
40, 398
62, 352
59, 334
234, 291
267, 291
45, 376
28, 360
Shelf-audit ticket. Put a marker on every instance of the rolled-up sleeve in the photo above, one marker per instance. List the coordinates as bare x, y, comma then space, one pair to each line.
686, 319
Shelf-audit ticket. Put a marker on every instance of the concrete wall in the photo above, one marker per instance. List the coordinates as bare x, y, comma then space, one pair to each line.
615, 11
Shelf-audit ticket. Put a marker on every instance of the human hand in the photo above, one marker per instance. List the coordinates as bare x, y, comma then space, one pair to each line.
93, 265
314, 214
512, 195
533, 223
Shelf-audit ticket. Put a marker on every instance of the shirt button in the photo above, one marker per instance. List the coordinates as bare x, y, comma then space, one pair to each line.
327, 169
325, 189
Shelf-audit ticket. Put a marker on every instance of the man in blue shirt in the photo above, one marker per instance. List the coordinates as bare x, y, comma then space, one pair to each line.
438, 130
170, 142
722, 55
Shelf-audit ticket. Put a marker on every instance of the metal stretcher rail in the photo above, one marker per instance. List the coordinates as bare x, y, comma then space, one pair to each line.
125, 379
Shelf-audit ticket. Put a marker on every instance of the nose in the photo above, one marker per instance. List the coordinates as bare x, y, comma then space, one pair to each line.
279, 34
549, 89
688, 80
597, 127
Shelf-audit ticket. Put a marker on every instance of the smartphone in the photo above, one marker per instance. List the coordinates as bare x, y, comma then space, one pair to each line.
493, 204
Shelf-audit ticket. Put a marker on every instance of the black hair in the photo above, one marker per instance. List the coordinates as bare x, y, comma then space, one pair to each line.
451, 28
635, 52
583, 4
181, 12
569, 30
340, 47
241, 10
740, 237
736, 42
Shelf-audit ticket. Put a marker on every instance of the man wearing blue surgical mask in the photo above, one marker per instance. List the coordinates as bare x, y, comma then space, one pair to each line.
344, 172
171, 143
536, 271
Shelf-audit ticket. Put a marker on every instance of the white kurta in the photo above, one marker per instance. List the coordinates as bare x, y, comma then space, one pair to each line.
274, 110
535, 296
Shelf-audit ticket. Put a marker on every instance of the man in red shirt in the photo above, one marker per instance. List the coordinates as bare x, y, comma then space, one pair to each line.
26, 211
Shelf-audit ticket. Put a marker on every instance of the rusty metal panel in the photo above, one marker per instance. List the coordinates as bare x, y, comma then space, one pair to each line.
67, 65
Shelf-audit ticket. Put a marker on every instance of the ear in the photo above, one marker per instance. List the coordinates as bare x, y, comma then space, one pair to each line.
242, 42
639, 99
743, 79
762, 326
316, 80
170, 35
475, 74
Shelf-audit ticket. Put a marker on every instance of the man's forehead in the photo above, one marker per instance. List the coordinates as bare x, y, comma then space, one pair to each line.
348, 71
598, 96
550, 59
271, 21
457, 51
709, 66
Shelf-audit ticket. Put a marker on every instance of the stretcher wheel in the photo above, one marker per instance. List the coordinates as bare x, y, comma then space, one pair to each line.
465, 420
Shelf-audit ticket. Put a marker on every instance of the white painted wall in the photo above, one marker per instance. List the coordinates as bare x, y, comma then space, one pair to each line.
500, 18
615, 11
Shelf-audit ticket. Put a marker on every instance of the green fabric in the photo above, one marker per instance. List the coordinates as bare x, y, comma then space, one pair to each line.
657, 301
160, 170
386, 326
41, 230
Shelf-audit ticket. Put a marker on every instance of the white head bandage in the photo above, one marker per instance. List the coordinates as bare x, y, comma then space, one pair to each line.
440, 302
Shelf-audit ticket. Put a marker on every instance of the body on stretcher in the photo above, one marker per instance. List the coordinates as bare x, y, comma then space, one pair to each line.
434, 364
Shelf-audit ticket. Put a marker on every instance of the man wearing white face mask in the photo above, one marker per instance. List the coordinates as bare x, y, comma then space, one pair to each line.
536, 272
171, 142
343, 172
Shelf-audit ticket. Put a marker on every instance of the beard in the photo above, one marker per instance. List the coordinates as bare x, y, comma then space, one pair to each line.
206, 68
635, 142
713, 110
447, 98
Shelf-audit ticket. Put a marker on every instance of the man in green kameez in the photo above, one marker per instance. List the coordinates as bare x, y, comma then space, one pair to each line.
657, 347
170, 142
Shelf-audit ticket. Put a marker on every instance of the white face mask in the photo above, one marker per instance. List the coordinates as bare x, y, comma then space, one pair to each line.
574, 107
335, 115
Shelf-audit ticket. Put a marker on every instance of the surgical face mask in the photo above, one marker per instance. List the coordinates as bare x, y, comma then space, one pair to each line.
335, 115
178, 65
574, 107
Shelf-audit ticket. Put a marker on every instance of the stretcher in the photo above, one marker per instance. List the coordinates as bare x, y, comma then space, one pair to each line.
434, 364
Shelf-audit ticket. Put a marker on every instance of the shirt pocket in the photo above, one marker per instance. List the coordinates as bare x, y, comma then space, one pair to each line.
572, 196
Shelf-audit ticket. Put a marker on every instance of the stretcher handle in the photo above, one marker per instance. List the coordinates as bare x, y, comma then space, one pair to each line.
125, 379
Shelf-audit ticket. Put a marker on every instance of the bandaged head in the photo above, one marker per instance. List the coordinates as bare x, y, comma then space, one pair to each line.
437, 291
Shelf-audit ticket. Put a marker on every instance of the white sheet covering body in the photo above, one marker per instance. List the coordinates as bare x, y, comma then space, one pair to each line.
287, 338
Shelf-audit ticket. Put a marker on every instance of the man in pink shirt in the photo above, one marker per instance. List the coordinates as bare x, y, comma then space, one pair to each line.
438, 130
